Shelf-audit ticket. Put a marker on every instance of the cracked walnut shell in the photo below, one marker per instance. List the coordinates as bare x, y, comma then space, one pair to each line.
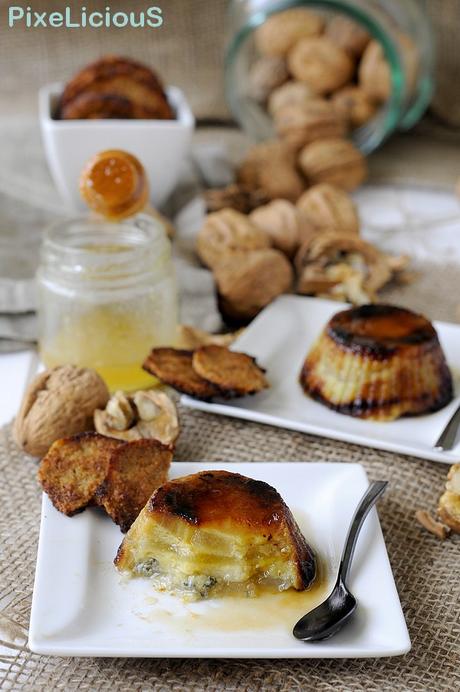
147, 414
335, 161
281, 31
321, 64
342, 266
226, 232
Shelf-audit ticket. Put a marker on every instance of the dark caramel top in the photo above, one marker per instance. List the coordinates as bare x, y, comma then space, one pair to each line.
213, 497
380, 329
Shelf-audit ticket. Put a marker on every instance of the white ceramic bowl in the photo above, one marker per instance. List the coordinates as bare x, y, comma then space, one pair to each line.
161, 145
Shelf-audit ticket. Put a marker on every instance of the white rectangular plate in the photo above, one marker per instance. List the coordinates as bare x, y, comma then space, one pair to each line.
83, 607
280, 338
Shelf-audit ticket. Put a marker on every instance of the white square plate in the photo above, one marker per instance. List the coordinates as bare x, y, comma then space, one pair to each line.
83, 607
280, 338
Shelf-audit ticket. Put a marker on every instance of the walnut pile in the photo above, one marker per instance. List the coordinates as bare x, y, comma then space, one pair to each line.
288, 222
304, 57
314, 246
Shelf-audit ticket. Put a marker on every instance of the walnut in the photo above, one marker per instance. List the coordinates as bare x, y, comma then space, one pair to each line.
328, 206
281, 221
321, 64
148, 414
335, 161
270, 167
247, 282
348, 35
280, 32
341, 266
354, 106
226, 232
374, 73
317, 119
290, 94
58, 403
237, 197
265, 75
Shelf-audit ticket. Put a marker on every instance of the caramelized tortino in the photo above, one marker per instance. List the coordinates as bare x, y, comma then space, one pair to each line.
217, 533
378, 362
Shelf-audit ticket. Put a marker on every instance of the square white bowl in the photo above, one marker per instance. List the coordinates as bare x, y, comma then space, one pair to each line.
161, 145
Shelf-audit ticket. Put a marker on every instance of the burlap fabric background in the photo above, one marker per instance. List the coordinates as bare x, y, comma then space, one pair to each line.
426, 573
188, 51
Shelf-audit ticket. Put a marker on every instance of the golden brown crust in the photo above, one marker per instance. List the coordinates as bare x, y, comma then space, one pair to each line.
135, 471
368, 363
96, 105
173, 366
234, 373
73, 468
121, 77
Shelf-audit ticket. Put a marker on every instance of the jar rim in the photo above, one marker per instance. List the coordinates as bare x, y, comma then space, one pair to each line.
79, 235
98, 253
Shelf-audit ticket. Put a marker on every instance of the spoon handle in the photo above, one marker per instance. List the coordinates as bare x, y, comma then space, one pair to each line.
375, 490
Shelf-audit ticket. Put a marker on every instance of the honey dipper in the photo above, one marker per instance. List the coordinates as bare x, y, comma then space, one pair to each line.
114, 184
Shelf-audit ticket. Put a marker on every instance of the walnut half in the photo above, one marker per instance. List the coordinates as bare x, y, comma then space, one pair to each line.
149, 414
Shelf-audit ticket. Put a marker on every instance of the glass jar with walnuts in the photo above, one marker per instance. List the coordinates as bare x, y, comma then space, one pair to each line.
305, 70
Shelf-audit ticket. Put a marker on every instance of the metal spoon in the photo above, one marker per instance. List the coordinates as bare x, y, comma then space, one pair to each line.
328, 618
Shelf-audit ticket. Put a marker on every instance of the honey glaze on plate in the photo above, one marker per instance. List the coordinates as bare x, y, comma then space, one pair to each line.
273, 610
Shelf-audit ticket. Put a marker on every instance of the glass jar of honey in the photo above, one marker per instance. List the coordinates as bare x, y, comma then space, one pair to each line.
107, 296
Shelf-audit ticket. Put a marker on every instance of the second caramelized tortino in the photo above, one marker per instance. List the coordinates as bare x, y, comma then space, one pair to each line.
378, 362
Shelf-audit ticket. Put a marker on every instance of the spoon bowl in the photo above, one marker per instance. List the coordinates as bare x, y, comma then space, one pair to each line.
329, 617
